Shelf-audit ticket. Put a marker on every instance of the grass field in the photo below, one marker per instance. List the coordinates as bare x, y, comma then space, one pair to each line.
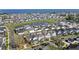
35, 21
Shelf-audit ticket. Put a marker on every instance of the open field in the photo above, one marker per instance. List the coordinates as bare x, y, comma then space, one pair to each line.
36, 21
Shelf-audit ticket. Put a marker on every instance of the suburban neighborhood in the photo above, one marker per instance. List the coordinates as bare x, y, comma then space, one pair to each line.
43, 30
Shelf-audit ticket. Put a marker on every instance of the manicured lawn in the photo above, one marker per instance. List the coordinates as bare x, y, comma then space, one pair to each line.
34, 21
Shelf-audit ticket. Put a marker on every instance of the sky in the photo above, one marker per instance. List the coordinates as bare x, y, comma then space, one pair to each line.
39, 4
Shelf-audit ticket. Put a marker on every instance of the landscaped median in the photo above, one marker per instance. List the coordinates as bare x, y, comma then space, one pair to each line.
7, 44
7, 38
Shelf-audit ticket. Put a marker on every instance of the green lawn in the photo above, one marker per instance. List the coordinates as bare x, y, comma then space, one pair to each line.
33, 21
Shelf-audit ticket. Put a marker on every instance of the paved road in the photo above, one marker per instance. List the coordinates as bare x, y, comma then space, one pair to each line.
11, 40
12, 44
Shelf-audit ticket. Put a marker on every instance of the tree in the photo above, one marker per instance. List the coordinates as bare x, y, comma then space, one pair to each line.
70, 18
